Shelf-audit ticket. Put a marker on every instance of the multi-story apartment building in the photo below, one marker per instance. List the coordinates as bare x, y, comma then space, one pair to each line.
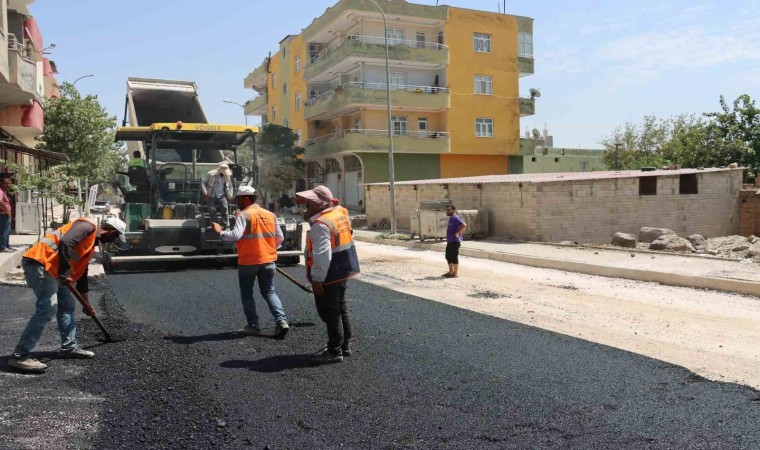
26, 77
454, 78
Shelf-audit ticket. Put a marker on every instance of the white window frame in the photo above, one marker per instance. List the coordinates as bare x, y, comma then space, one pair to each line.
274, 114
274, 80
484, 127
525, 44
484, 84
395, 36
285, 123
423, 126
396, 76
297, 63
403, 125
298, 137
299, 101
421, 43
481, 42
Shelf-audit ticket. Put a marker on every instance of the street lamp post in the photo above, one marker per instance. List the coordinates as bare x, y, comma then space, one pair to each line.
391, 167
83, 76
240, 105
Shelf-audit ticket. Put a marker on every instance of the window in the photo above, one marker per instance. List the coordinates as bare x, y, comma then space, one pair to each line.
358, 123
399, 124
398, 79
298, 137
688, 184
298, 101
484, 84
420, 39
556, 159
584, 166
298, 63
284, 88
285, 123
647, 185
274, 114
422, 126
525, 44
532, 159
440, 38
482, 42
274, 80
483, 127
395, 36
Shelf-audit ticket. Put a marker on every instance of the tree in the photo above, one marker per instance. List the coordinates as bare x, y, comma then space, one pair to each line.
278, 157
82, 129
639, 144
738, 129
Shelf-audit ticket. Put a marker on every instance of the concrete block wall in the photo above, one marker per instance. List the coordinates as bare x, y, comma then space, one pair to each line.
749, 212
588, 211
593, 210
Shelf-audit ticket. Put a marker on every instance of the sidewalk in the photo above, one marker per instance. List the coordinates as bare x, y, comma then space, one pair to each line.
10, 261
670, 269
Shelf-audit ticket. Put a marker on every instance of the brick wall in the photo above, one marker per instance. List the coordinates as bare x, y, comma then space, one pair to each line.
749, 212
582, 210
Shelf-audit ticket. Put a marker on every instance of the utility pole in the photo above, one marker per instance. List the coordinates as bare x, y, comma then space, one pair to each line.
617, 155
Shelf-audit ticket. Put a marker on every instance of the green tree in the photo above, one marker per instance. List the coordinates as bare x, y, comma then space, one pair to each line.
639, 145
82, 129
280, 165
735, 132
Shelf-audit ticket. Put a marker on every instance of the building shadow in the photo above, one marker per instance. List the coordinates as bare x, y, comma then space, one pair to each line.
272, 364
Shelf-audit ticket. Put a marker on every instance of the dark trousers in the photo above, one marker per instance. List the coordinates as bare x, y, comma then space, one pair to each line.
333, 311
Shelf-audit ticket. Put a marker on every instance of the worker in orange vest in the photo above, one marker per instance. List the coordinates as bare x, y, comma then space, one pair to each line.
50, 267
258, 237
330, 261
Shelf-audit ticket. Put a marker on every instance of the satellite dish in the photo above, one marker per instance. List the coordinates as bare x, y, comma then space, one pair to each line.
534, 93
536, 133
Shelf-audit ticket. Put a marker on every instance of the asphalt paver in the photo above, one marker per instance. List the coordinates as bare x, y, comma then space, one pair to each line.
422, 375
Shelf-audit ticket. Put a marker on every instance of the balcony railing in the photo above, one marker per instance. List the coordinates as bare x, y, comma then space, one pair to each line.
424, 98
376, 141
257, 105
380, 133
527, 107
376, 40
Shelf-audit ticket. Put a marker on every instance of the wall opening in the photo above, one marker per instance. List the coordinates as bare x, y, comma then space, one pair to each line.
687, 184
647, 185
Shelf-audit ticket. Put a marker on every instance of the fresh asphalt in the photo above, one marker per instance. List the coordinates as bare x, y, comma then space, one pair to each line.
422, 375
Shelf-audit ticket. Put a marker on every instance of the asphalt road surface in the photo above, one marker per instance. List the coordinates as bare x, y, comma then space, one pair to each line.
422, 375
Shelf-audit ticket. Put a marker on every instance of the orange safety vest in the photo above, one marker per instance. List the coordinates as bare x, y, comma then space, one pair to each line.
45, 251
344, 263
259, 242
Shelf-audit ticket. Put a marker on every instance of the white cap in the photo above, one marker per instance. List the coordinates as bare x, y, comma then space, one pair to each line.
116, 224
244, 191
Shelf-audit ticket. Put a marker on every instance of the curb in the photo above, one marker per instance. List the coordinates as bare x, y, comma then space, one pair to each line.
13, 261
671, 279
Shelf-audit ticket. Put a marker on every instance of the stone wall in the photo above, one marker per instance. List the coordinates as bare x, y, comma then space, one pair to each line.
588, 211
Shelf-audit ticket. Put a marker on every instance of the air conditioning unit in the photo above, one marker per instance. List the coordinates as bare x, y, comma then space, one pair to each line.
314, 93
315, 48
317, 124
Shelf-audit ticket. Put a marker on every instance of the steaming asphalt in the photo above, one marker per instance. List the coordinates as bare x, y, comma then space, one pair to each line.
423, 375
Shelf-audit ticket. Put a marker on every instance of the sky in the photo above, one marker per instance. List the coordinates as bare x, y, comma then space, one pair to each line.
598, 64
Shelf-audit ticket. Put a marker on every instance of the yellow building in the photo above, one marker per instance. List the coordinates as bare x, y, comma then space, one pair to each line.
454, 78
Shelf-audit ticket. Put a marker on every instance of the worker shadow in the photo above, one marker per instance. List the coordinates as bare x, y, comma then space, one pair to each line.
215, 337
272, 364
432, 278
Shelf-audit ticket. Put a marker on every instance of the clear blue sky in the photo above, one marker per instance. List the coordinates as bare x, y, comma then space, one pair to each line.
598, 63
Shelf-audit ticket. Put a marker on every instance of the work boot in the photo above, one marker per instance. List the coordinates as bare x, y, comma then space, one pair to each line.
249, 331
326, 358
27, 365
346, 350
76, 353
281, 330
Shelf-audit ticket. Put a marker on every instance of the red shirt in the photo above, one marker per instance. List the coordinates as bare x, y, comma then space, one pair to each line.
5, 203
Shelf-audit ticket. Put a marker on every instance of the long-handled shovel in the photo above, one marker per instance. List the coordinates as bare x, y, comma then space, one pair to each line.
90, 311
294, 281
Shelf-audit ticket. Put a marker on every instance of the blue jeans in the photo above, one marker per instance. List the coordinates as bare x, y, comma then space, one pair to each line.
5, 231
247, 275
49, 293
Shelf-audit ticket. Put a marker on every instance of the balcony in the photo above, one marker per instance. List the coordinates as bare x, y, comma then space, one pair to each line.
258, 105
525, 64
527, 107
258, 78
376, 141
352, 95
22, 86
351, 49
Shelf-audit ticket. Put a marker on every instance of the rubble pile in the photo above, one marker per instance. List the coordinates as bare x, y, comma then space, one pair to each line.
665, 240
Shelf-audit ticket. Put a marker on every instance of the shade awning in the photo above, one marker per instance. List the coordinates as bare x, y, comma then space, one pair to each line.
44, 154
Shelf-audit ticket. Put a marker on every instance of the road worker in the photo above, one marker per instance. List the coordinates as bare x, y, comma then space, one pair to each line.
258, 237
50, 267
330, 261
